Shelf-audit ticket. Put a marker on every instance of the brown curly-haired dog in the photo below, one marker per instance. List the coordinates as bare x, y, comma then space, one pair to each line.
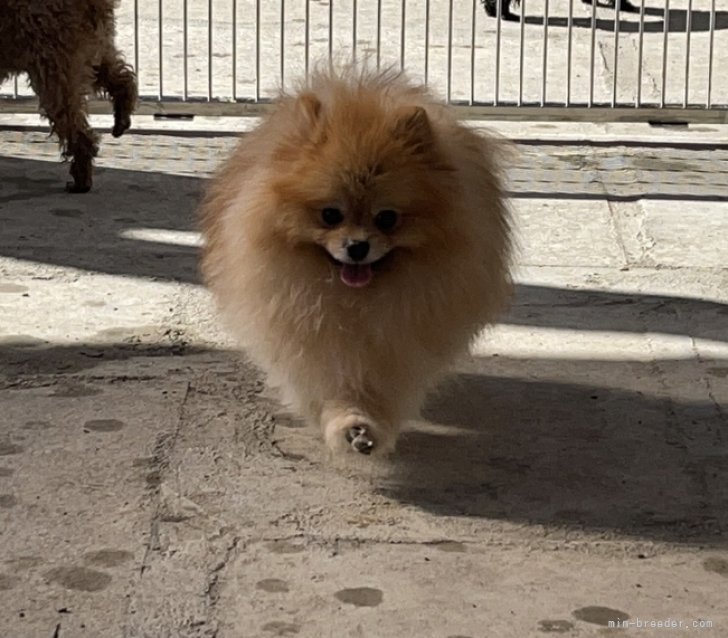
67, 49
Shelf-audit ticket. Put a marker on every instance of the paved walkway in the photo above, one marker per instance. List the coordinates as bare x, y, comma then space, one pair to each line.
574, 471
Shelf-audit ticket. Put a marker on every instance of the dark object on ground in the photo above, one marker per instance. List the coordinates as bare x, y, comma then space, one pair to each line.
491, 8
624, 5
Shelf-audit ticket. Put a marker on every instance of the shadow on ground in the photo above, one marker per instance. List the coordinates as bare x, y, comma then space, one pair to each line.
678, 21
19, 359
566, 443
41, 223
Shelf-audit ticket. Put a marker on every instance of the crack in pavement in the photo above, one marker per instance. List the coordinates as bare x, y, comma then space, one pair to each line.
163, 448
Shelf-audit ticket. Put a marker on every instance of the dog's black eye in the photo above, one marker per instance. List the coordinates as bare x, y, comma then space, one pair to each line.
332, 216
386, 219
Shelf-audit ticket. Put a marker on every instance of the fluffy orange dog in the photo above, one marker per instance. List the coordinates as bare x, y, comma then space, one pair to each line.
356, 241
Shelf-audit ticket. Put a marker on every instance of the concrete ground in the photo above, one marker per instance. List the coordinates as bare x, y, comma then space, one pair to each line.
573, 472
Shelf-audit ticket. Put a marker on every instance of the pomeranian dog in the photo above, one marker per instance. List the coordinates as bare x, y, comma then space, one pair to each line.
356, 241
67, 49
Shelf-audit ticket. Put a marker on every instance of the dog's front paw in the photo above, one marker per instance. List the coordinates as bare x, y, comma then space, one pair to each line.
352, 430
359, 438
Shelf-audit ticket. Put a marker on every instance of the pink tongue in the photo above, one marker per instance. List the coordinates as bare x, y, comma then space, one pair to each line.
356, 275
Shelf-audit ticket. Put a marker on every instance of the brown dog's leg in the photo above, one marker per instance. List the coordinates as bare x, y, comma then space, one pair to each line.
116, 77
81, 143
64, 104
82, 147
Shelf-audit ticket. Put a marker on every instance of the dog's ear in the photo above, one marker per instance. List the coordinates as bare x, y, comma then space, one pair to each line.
304, 117
413, 127
309, 110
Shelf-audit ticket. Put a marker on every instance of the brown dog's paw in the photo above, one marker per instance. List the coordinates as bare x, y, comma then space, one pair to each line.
74, 187
82, 168
121, 125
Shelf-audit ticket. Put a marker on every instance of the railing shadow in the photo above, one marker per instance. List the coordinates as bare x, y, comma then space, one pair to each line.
100, 232
677, 21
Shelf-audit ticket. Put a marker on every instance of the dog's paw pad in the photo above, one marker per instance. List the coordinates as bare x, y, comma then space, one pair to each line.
359, 439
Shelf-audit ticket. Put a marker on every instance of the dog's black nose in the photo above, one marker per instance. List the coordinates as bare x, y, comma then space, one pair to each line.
358, 250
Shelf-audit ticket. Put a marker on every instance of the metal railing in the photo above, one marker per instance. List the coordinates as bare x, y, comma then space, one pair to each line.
558, 59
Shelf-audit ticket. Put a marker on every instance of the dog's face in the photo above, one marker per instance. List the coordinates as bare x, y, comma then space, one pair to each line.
358, 236
363, 186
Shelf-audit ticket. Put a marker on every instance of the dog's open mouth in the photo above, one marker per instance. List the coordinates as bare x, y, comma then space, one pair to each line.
357, 275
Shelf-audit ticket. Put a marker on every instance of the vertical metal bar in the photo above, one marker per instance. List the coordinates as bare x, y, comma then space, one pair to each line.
496, 79
136, 39
665, 33
592, 52
615, 62
569, 44
521, 53
185, 51
354, 28
379, 33
472, 53
449, 51
427, 41
283, 42
404, 29
544, 70
209, 50
688, 30
257, 50
640, 49
15, 87
307, 43
235, 50
331, 30
711, 49
160, 18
